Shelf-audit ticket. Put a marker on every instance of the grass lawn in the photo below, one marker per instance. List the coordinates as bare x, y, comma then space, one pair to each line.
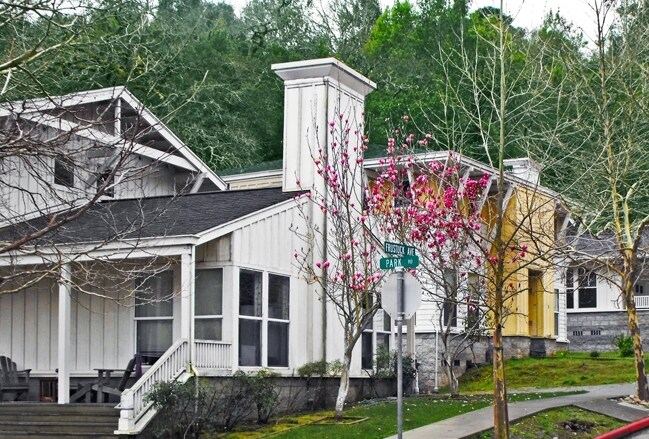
381, 422
561, 423
571, 369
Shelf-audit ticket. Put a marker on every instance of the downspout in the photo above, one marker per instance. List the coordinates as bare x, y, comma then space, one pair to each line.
324, 234
436, 388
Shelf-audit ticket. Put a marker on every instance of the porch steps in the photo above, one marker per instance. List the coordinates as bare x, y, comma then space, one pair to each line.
47, 420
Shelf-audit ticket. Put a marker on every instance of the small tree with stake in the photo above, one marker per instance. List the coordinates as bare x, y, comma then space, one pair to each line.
340, 251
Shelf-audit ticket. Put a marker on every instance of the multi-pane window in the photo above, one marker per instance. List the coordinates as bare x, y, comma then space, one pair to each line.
63, 173
250, 317
208, 314
381, 333
587, 289
254, 323
581, 289
154, 314
278, 319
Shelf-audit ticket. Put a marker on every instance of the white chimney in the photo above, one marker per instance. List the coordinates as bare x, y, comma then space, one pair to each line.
524, 168
315, 92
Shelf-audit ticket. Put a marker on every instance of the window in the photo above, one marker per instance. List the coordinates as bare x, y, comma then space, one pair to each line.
153, 315
556, 312
63, 173
587, 289
250, 326
254, 323
403, 196
581, 289
278, 319
449, 308
570, 291
208, 318
473, 318
105, 178
382, 332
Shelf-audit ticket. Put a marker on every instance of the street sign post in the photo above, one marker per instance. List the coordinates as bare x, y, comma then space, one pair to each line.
400, 298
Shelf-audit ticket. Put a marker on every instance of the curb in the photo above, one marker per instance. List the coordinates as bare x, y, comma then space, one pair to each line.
626, 430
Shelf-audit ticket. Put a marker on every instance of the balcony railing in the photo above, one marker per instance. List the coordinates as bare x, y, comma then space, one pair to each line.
642, 302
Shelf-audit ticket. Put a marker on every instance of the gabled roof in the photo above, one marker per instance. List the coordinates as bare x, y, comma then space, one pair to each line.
156, 217
173, 151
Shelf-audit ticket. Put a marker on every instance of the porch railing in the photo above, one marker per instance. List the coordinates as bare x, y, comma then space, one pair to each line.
642, 302
212, 354
133, 408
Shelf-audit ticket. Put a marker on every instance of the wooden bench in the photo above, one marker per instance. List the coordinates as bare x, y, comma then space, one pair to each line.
12, 380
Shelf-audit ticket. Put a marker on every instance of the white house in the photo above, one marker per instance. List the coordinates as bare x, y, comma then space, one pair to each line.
209, 269
158, 255
596, 310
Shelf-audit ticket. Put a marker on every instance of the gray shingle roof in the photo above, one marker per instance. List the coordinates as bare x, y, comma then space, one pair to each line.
153, 217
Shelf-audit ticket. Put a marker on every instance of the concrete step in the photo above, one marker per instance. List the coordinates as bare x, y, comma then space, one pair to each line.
43, 420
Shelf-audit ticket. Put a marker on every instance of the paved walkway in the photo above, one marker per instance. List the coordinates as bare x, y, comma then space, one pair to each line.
595, 400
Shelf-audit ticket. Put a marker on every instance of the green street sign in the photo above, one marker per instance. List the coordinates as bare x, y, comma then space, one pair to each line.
410, 261
395, 248
390, 263
397, 262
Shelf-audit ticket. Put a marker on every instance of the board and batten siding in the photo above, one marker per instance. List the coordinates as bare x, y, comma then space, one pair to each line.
101, 330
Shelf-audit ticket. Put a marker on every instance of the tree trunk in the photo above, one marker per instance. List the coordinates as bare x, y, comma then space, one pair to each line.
452, 379
344, 385
501, 416
634, 330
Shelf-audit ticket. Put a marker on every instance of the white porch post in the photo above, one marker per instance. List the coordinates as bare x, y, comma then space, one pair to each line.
187, 300
64, 334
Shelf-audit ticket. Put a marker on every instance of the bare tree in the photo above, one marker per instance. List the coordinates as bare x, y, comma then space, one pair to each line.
501, 98
607, 151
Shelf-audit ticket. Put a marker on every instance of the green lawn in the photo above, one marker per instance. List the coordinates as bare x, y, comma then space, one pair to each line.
381, 422
557, 371
561, 423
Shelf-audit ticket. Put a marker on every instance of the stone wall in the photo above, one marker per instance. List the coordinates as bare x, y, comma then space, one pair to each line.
514, 347
596, 331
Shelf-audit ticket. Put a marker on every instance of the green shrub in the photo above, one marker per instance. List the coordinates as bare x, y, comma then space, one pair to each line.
594, 354
315, 369
624, 345
185, 410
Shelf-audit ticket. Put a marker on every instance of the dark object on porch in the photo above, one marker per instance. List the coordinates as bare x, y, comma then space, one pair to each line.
102, 386
12, 380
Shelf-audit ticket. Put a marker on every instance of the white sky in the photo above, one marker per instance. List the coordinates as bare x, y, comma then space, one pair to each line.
526, 13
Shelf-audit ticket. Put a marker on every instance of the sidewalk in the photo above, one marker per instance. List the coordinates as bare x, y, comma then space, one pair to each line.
595, 400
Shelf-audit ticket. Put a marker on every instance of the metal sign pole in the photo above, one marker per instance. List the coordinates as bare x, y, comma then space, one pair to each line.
400, 313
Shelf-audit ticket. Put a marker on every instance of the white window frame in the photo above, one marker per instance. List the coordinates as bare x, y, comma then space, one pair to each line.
138, 319
211, 316
264, 318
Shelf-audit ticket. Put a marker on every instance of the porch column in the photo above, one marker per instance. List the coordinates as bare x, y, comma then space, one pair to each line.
187, 300
65, 279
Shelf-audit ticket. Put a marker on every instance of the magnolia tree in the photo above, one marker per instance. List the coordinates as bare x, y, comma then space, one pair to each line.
339, 254
435, 209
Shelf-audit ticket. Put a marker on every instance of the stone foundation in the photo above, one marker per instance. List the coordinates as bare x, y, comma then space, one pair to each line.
596, 331
514, 347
